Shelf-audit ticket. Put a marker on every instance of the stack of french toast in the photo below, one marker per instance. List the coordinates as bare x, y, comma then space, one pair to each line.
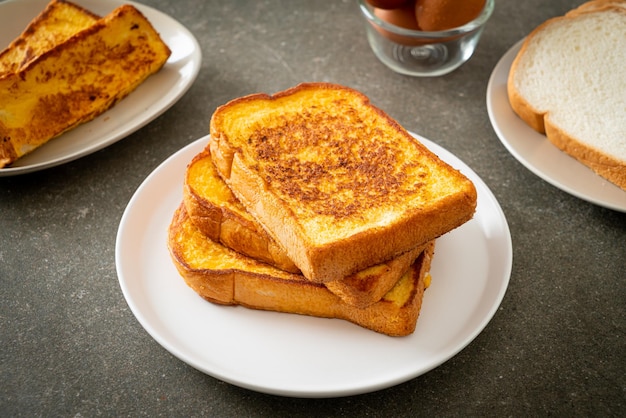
69, 66
313, 201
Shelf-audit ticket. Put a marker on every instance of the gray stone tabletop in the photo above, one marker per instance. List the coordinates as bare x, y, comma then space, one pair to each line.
70, 345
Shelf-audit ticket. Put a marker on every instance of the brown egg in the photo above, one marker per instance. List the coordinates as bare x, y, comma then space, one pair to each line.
436, 15
403, 17
388, 4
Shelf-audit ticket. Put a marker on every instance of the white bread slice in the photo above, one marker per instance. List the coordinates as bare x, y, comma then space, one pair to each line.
569, 82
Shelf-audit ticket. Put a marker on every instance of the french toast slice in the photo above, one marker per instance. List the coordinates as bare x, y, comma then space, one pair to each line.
226, 277
59, 21
337, 183
218, 214
77, 80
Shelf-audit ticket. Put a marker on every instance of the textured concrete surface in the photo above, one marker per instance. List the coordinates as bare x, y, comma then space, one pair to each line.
70, 346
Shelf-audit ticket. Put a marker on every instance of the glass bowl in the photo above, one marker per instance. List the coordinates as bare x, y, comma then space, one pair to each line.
422, 53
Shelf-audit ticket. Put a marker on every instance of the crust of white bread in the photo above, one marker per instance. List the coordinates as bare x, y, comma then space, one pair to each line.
216, 212
596, 5
225, 277
568, 81
334, 180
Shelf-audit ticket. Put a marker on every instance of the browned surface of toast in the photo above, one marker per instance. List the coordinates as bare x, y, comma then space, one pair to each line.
77, 80
337, 183
226, 277
219, 215
59, 21
368, 286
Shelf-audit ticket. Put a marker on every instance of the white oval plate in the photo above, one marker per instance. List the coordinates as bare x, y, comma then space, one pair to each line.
535, 152
153, 97
293, 355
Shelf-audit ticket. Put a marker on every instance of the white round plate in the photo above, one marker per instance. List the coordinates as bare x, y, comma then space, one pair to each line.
153, 97
537, 153
300, 356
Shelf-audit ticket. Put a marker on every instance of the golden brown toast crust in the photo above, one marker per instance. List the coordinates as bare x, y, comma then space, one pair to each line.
56, 23
363, 288
225, 277
88, 73
338, 183
217, 214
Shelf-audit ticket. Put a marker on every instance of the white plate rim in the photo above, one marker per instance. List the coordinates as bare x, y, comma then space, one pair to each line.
135, 223
535, 152
146, 103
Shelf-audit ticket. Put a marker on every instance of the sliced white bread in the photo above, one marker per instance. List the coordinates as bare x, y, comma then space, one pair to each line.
569, 82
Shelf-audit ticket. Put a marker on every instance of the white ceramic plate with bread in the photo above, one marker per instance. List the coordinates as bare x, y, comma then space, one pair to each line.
153, 97
294, 355
537, 153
